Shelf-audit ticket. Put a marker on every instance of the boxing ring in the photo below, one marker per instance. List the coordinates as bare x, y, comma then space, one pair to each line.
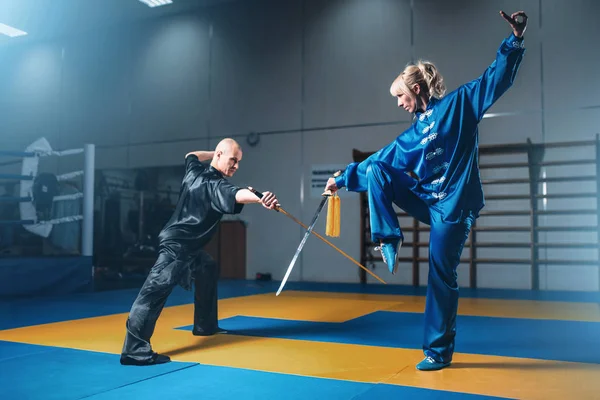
46, 204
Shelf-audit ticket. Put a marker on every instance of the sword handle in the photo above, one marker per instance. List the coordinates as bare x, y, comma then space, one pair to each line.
256, 192
329, 192
260, 196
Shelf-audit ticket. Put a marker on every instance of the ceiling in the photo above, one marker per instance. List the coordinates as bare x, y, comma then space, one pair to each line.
45, 19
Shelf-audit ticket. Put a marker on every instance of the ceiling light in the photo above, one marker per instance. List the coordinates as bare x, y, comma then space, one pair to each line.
156, 3
10, 31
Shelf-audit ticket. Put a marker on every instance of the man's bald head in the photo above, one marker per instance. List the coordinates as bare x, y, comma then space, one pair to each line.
227, 144
228, 154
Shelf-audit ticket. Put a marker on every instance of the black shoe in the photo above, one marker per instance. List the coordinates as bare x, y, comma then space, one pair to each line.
155, 359
208, 333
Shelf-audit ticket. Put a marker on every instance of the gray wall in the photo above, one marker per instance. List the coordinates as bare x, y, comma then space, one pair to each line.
313, 77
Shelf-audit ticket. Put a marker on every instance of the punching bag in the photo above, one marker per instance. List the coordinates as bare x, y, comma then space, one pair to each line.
45, 187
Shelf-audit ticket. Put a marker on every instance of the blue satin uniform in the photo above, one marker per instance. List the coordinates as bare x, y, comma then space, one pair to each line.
441, 148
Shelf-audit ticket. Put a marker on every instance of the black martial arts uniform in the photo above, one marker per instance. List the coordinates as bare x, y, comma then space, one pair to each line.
204, 197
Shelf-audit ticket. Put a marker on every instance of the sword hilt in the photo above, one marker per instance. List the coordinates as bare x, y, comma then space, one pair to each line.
256, 192
260, 196
329, 192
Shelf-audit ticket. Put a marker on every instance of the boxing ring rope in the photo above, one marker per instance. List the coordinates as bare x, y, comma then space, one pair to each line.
27, 198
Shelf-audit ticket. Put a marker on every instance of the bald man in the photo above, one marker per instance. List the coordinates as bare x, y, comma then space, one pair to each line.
204, 198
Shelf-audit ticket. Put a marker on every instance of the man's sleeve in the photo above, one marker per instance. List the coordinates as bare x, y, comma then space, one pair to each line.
223, 197
192, 164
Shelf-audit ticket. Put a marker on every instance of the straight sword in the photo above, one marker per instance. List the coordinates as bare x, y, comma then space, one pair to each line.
306, 235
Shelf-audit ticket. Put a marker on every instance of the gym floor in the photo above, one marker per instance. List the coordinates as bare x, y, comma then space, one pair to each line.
326, 341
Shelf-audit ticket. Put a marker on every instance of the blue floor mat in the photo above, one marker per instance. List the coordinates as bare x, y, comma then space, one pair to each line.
377, 392
222, 383
11, 350
65, 374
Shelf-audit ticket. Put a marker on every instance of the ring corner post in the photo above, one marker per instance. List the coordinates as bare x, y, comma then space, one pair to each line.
87, 243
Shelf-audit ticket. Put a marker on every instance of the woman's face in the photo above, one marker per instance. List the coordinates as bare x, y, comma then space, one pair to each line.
407, 102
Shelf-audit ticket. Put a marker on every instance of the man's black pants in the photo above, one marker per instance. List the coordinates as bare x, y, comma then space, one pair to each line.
166, 273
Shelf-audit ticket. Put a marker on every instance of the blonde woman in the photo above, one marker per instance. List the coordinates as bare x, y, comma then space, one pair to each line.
431, 171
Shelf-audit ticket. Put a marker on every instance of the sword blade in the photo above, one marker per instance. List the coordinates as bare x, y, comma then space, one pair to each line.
306, 235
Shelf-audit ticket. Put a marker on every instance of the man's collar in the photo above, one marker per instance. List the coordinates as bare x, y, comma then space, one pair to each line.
216, 171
